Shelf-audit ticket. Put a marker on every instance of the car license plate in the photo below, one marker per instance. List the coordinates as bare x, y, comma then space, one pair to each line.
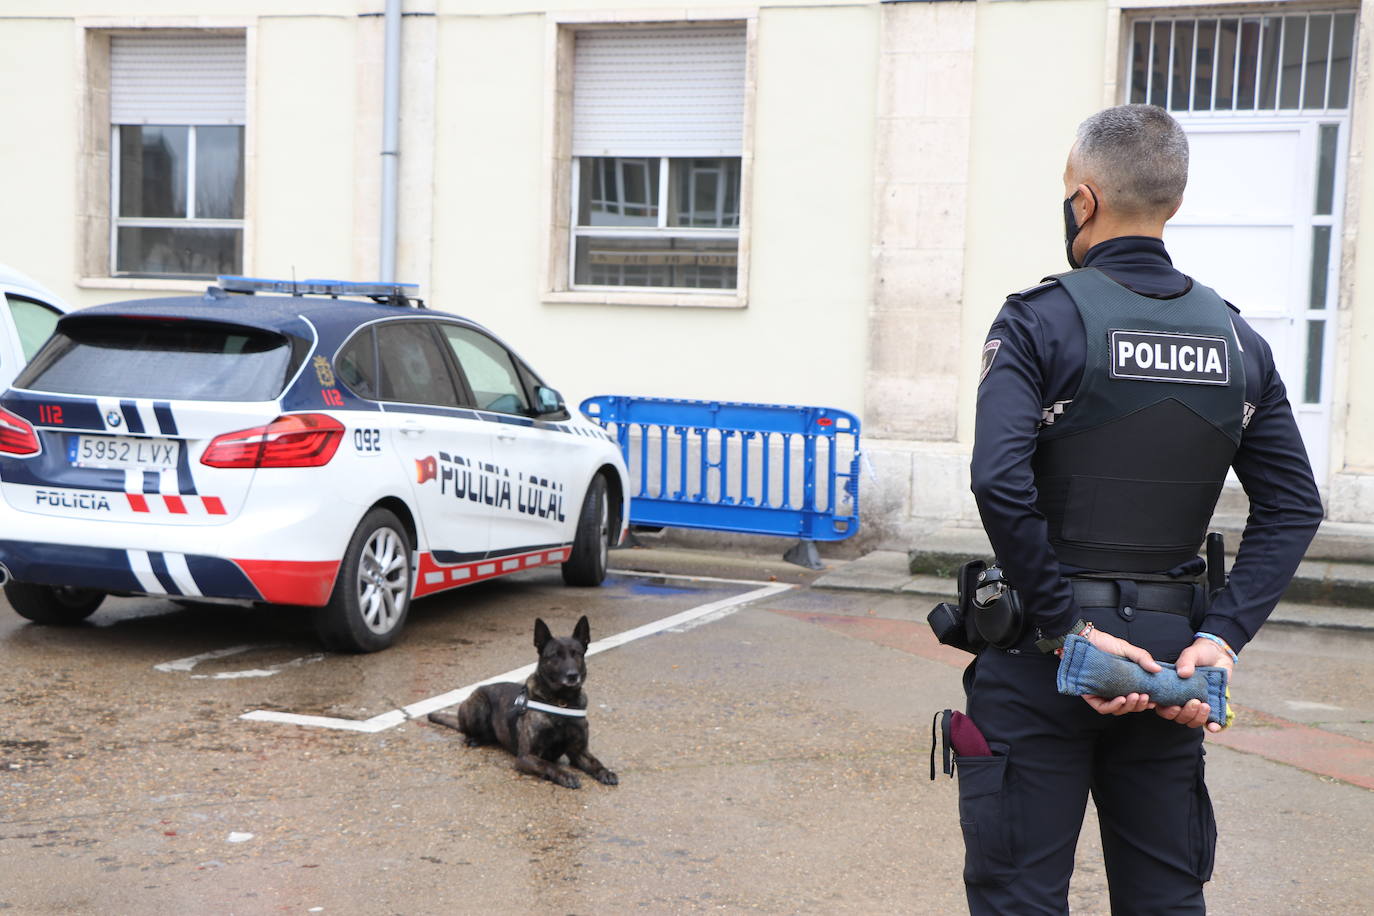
123, 453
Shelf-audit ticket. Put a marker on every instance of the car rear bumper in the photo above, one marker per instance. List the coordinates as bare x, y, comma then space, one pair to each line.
171, 573
285, 551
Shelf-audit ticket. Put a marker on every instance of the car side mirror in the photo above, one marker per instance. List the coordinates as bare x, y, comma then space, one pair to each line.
548, 402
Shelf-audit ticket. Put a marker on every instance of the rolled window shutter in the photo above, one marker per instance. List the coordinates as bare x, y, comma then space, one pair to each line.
659, 92
172, 78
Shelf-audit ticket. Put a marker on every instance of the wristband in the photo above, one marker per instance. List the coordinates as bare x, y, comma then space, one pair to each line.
1048, 646
1225, 646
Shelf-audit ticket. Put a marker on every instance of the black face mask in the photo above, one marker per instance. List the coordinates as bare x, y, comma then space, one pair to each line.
1071, 227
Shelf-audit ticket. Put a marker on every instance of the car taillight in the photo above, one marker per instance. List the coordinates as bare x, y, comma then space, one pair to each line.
17, 436
296, 440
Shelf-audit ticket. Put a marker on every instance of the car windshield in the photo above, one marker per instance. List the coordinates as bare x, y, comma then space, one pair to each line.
159, 358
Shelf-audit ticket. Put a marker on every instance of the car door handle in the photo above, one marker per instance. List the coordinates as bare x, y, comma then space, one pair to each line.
412, 428
507, 437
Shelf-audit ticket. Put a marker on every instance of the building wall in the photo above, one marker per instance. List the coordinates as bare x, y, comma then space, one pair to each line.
1039, 68
801, 336
38, 166
478, 91
1351, 497
904, 165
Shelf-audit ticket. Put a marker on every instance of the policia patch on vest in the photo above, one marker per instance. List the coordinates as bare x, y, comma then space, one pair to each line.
1149, 356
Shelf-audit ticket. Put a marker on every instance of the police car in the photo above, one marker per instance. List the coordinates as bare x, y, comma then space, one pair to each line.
337, 446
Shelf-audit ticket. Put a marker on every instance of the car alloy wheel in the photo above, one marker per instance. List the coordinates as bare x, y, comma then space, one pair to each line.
371, 597
383, 580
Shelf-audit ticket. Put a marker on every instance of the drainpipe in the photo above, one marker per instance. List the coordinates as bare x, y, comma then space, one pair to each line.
391, 131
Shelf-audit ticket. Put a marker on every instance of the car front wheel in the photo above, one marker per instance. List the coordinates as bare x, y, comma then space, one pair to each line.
587, 563
372, 594
52, 604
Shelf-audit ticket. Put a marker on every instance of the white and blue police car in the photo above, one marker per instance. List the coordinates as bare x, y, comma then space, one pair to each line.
331, 445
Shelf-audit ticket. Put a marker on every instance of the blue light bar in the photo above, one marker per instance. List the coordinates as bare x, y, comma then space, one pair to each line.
317, 287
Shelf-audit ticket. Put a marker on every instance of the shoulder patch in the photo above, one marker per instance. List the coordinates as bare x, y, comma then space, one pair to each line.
989, 354
1035, 290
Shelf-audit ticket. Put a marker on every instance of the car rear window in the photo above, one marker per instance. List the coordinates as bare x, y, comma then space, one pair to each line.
152, 358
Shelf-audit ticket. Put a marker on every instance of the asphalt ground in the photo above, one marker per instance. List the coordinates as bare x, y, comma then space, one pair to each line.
773, 756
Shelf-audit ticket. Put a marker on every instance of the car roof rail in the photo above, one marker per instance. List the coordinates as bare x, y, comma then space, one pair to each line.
399, 294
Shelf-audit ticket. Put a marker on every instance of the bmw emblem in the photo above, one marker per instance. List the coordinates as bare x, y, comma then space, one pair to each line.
113, 418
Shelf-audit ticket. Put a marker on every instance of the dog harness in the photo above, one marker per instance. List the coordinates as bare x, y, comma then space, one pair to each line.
523, 702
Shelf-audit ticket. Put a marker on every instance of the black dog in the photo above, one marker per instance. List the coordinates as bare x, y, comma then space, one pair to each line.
541, 720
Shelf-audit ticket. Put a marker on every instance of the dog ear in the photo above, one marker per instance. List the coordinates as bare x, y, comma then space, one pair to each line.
583, 633
541, 634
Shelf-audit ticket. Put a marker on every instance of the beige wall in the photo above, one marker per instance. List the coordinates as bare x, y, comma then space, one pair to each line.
1359, 424
1352, 485
1026, 106
301, 204
801, 336
473, 171
906, 163
38, 151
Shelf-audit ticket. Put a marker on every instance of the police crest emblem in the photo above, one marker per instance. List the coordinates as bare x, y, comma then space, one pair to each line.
989, 354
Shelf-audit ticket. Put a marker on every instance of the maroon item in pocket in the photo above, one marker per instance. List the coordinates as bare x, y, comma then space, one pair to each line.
967, 740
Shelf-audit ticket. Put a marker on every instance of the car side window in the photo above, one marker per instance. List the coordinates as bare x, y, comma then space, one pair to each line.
35, 322
356, 365
490, 371
411, 365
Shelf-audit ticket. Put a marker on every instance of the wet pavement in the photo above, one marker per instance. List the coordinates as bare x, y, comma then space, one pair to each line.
773, 757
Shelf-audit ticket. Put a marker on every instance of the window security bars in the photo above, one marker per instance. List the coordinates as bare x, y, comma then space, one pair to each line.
1257, 64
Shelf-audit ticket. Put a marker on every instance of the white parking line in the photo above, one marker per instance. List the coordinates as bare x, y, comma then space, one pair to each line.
674, 623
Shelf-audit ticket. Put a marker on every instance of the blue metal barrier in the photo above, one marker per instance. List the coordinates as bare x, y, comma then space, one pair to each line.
735, 467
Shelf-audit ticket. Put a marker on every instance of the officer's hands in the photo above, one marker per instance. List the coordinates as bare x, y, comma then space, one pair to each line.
1203, 652
1134, 702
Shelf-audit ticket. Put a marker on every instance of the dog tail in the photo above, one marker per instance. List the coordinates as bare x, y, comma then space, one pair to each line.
446, 718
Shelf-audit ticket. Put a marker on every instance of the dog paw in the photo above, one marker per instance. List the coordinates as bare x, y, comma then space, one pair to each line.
568, 781
607, 778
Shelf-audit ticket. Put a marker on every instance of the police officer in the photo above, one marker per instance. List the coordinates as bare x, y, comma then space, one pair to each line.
1112, 401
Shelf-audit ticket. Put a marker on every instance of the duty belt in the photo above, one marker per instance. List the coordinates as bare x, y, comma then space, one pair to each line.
1168, 598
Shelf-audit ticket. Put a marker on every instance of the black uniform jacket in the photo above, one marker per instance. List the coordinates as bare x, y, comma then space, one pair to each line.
1038, 364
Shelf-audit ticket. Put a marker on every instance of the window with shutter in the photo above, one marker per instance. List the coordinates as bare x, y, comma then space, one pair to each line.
177, 112
657, 142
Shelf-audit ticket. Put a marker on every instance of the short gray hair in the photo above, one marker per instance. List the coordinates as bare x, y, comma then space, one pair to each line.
1138, 154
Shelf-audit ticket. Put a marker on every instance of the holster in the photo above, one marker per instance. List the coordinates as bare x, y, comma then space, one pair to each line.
953, 624
1002, 623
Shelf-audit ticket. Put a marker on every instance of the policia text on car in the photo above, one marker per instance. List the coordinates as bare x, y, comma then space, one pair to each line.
1113, 399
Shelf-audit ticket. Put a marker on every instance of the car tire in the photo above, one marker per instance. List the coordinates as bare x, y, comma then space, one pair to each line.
371, 597
586, 566
52, 604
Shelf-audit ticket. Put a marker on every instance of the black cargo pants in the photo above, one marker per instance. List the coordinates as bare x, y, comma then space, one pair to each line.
1022, 808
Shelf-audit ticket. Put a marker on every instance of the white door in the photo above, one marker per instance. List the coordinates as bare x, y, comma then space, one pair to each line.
1260, 224
444, 450
536, 463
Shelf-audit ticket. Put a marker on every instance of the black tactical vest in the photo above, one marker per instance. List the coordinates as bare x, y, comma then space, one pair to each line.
1129, 474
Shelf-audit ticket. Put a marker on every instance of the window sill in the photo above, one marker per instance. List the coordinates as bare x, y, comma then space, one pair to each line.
642, 298
150, 284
